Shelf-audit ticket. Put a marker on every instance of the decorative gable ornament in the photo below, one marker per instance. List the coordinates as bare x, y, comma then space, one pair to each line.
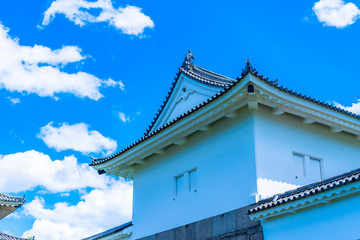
184, 94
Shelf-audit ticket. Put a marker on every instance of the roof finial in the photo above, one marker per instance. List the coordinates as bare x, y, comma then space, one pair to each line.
188, 60
189, 56
248, 68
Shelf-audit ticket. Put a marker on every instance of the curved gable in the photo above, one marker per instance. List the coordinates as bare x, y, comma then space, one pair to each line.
187, 94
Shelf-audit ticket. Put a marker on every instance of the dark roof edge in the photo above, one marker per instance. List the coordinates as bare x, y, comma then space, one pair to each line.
324, 185
109, 231
249, 69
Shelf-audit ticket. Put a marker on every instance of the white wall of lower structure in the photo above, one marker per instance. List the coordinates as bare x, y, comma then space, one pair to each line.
278, 137
226, 180
338, 220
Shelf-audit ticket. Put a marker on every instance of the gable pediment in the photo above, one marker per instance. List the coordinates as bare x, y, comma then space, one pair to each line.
187, 94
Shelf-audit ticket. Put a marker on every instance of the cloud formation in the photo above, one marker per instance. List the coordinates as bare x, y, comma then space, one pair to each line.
76, 137
38, 70
14, 100
130, 19
123, 117
108, 204
336, 13
38, 170
97, 211
355, 107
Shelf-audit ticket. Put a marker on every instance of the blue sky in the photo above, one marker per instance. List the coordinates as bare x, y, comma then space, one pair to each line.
85, 78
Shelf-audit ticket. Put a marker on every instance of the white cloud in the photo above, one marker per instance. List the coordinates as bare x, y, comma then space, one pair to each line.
14, 100
97, 211
37, 169
336, 13
37, 70
354, 108
76, 137
130, 20
123, 117
108, 204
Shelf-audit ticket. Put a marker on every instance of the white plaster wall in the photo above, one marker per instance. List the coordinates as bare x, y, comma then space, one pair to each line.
276, 137
338, 220
224, 158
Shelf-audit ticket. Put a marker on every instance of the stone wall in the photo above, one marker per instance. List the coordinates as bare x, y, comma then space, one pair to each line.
233, 225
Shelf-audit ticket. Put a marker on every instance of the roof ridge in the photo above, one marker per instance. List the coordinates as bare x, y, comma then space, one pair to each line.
214, 73
8, 198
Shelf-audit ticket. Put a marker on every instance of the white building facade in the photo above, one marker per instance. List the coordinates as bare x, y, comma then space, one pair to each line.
219, 144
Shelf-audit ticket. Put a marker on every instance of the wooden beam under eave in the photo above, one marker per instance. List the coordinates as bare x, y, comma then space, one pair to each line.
308, 121
204, 128
277, 111
252, 101
140, 161
132, 163
129, 173
128, 167
180, 141
335, 130
253, 105
231, 115
111, 171
159, 151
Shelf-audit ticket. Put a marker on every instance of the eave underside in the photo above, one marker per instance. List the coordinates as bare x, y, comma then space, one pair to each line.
6, 210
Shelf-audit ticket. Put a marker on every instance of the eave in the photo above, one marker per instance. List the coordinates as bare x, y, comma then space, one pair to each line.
225, 104
8, 204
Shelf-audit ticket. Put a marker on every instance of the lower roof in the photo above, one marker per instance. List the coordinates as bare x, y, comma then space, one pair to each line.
308, 191
8, 204
4, 236
109, 232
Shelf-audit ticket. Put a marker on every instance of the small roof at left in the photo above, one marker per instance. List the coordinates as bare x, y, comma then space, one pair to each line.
4, 236
110, 232
8, 204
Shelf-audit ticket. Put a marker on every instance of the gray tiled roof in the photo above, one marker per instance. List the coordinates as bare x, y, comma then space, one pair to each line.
4, 236
12, 200
221, 81
308, 190
109, 232
205, 76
